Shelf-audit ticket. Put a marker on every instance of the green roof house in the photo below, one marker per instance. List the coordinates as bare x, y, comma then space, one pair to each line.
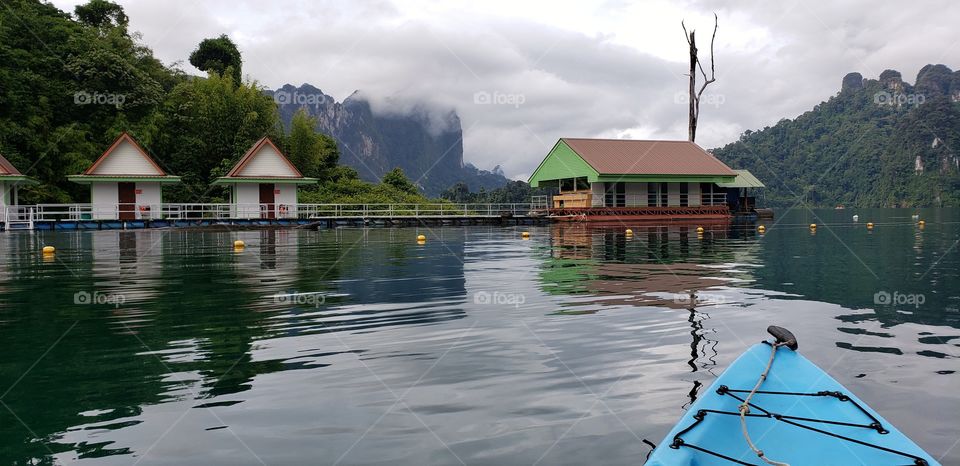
609, 179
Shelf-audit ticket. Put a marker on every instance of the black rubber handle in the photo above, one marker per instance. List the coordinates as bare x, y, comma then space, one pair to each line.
783, 336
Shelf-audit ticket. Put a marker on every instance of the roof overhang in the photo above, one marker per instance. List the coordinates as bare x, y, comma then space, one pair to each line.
19, 179
277, 180
665, 178
744, 179
87, 179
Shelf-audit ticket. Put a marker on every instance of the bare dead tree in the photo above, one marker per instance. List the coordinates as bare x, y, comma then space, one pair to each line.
694, 94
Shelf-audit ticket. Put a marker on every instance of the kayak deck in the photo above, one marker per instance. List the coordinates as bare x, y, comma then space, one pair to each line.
800, 416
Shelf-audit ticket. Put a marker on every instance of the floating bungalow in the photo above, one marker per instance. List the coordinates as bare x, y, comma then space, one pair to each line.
263, 184
620, 179
10, 181
125, 183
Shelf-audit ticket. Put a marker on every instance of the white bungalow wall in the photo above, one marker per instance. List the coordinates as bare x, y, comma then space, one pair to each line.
6, 198
104, 199
637, 194
126, 159
596, 194
246, 200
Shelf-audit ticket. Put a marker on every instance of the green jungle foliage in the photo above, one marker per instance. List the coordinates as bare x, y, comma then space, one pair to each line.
70, 84
859, 149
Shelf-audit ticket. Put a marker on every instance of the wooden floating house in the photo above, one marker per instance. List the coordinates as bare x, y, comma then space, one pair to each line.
620, 179
125, 183
263, 184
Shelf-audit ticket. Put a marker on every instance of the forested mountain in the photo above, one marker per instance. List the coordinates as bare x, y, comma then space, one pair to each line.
878, 142
426, 146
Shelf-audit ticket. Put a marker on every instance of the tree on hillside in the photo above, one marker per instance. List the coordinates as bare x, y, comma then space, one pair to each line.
218, 55
101, 13
206, 126
314, 154
398, 180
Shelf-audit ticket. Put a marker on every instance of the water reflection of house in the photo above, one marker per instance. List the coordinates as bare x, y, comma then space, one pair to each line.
126, 270
656, 266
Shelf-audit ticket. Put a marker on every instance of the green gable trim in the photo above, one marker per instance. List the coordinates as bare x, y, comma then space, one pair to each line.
562, 162
745, 179
665, 178
19, 179
228, 180
85, 179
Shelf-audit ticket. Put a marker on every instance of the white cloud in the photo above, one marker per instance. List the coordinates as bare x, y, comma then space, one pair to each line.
604, 69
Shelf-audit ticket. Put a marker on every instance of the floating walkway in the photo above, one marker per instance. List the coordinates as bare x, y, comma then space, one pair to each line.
313, 216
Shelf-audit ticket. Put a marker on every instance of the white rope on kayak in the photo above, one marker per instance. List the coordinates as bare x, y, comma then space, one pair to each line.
745, 408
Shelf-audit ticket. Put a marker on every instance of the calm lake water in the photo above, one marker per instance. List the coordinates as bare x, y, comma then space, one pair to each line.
362, 347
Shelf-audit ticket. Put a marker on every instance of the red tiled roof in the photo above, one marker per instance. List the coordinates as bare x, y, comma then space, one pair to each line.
6, 168
636, 157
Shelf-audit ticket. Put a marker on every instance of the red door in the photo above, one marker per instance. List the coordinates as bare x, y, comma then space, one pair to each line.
127, 200
267, 201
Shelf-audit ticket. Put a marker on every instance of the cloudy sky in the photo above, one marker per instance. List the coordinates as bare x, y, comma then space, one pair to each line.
522, 73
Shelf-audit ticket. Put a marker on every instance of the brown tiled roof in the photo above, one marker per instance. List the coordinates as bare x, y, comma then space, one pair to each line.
6, 168
636, 157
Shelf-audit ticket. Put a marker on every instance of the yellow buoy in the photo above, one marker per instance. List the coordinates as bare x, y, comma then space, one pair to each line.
525, 234
700, 230
761, 228
869, 225
629, 231
49, 249
239, 244
813, 226
921, 223
421, 238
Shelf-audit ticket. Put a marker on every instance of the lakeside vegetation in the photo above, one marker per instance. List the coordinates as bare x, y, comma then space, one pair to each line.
69, 84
